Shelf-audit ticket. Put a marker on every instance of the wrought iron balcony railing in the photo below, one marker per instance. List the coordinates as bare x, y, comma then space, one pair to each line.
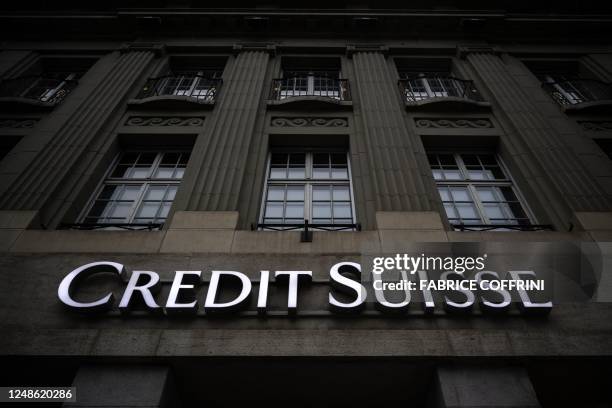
326, 87
428, 87
305, 228
44, 89
112, 226
577, 91
503, 227
192, 86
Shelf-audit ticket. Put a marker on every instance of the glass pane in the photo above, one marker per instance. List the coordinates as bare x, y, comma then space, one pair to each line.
274, 210
171, 193
128, 158
321, 210
148, 210
164, 172
164, 210
107, 192
447, 160
437, 174
294, 210
488, 159
320, 159
450, 211
297, 159
321, 193
155, 193
297, 173
128, 193
486, 193
139, 172
470, 160
320, 173
179, 172
452, 174
342, 210
460, 194
278, 173
98, 208
467, 210
146, 158
120, 210
295, 193
494, 211
338, 159
276, 193
341, 193
444, 193
339, 173
170, 158
279, 159
121, 171
478, 175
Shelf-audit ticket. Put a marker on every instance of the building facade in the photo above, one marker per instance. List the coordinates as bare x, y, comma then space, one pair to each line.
264, 138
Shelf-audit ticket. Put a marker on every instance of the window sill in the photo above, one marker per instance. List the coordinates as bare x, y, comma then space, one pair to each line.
172, 102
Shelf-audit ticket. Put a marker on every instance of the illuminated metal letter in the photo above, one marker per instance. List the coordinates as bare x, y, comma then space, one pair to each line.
146, 290
66, 288
488, 306
193, 279
211, 304
527, 305
294, 277
347, 285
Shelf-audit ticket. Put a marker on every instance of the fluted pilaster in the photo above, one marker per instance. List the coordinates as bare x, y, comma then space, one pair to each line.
220, 157
395, 160
89, 110
535, 140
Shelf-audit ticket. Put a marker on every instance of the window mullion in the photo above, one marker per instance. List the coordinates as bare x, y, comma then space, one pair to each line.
478, 204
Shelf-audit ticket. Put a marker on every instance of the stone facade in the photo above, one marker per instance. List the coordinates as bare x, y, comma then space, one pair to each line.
57, 155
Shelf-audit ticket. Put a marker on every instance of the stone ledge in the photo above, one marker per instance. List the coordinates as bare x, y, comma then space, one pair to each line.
204, 220
16, 219
409, 220
593, 221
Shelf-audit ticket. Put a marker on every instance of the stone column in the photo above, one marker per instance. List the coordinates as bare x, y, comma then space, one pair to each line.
476, 387
219, 158
117, 386
59, 142
393, 170
543, 144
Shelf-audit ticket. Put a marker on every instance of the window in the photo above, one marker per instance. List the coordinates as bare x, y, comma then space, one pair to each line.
200, 84
313, 186
310, 83
476, 190
48, 80
569, 83
139, 189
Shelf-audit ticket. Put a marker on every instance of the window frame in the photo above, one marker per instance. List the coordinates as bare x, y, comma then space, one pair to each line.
308, 182
473, 184
144, 183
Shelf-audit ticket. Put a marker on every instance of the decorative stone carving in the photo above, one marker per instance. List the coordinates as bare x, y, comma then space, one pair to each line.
164, 121
454, 123
598, 126
17, 123
306, 122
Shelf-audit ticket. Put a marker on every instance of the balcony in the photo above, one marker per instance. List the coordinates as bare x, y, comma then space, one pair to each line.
581, 94
178, 91
35, 92
310, 92
441, 92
